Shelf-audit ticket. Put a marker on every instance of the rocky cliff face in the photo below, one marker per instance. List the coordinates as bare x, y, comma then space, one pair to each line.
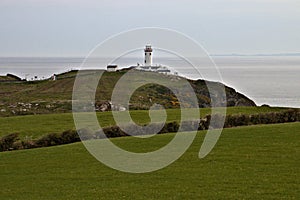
233, 98
150, 94
237, 99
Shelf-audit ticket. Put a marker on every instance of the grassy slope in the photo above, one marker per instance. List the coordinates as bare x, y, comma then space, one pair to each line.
37, 125
257, 162
58, 94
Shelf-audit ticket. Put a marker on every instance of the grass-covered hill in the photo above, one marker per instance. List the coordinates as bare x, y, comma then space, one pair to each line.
254, 162
10, 78
48, 96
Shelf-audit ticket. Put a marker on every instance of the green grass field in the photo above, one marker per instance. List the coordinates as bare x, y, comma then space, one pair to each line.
254, 162
37, 125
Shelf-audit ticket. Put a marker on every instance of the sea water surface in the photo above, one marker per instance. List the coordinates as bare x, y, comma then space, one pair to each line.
272, 80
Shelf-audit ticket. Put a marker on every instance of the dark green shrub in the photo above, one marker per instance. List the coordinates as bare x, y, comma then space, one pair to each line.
243, 120
229, 121
264, 118
52, 139
29, 144
100, 134
17, 145
292, 115
48, 140
217, 122
203, 124
86, 134
113, 131
132, 129
153, 128
69, 136
170, 127
149, 129
254, 119
7, 141
189, 126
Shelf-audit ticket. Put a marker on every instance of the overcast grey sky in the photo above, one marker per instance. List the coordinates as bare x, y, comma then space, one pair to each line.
74, 27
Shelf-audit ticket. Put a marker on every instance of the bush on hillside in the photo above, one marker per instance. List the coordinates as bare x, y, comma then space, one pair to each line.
7, 141
170, 127
86, 134
189, 125
110, 132
69, 136
66, 137
51, 139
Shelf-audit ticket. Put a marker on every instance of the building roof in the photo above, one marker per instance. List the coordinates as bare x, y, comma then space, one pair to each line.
112, 66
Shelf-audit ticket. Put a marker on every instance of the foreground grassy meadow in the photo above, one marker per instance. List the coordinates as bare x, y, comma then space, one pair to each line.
254, 162
37, 125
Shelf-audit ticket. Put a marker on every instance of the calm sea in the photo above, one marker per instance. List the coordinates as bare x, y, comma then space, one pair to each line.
273, 80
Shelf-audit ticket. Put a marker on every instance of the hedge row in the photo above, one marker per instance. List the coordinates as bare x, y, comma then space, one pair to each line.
291, 115
115, 131
12, 141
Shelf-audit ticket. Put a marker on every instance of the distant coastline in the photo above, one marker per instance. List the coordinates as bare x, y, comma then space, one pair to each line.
81, 58
250, 55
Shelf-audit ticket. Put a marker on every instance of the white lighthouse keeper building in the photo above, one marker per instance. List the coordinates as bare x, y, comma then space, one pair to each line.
148, 55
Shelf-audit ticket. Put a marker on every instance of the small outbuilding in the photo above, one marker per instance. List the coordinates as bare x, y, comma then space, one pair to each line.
112, 68
53, 77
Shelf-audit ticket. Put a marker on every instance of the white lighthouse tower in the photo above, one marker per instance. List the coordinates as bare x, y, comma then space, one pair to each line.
148, 55
148, 65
